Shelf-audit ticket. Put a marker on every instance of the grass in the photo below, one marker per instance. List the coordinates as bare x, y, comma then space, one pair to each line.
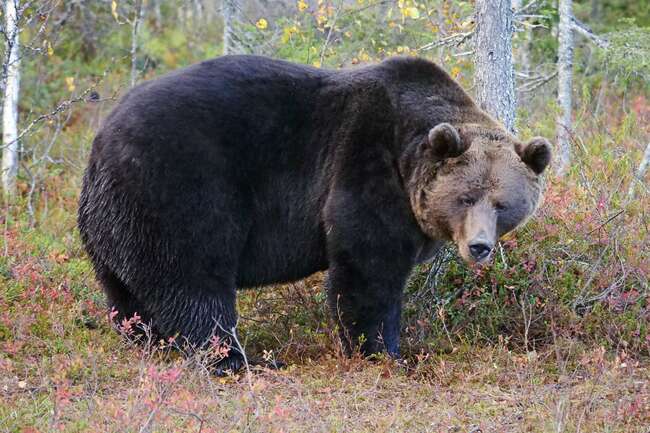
107, 386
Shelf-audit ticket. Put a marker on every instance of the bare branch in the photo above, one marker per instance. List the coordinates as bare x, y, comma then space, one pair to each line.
537, 82
585, 31
528, 6
455, 39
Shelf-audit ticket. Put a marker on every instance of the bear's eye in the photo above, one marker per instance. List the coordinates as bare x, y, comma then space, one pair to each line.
500, 206
467, 201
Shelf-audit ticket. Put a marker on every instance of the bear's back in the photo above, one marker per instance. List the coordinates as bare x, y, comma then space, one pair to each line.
232, 104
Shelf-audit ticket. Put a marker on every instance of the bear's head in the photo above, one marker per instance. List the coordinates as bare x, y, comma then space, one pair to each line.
470, 185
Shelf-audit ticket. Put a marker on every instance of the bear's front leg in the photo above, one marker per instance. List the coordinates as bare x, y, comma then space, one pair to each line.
365, 297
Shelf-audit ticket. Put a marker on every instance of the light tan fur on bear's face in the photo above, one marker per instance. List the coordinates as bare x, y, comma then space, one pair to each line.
488, 190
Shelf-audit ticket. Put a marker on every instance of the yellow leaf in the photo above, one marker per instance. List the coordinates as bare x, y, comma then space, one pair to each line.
287, 32
114, 9
455, 71
261, 24
69, 81
316, 63
302, 5
411, 12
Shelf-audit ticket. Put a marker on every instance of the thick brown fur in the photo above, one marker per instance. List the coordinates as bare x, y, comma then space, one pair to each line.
243, 171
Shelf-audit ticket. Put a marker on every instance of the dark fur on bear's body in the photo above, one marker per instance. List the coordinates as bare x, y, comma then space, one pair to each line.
244, 171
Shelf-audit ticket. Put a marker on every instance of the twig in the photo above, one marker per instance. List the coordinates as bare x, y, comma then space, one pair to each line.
455, 39
527, 6
606, 222
329, 33
59, 108
536, 83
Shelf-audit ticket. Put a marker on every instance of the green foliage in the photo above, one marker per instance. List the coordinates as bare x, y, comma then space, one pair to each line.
628, 54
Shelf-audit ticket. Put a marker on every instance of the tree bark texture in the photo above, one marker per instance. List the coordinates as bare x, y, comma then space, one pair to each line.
494, 76
135, 30
565, 86
231, 11
10, 102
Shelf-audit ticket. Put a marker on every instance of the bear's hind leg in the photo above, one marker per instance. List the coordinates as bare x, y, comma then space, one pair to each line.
203, 319
122, 304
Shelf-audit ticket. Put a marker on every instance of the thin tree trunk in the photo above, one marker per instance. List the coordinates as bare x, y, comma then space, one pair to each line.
198, 8
522, 54
640, 172
230, 10
523, 50
494, 76
10, 103
135, 30
565, 86
157, 14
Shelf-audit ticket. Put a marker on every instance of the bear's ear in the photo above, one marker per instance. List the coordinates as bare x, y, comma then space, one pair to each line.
536, 154
445, 142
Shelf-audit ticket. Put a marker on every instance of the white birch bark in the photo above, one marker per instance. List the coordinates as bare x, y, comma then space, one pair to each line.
230, 11
135, 30
494, 76
10, 102
565, 86
157, 11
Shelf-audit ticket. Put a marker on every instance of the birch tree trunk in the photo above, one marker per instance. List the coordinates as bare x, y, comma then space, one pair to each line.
157, 12
10, 102
230, 10
135, 30
565, 86
494, 76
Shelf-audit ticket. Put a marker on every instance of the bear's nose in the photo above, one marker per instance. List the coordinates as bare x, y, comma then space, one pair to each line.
480, 250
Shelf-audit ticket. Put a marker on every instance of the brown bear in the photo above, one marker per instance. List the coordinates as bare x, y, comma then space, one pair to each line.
244, 171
